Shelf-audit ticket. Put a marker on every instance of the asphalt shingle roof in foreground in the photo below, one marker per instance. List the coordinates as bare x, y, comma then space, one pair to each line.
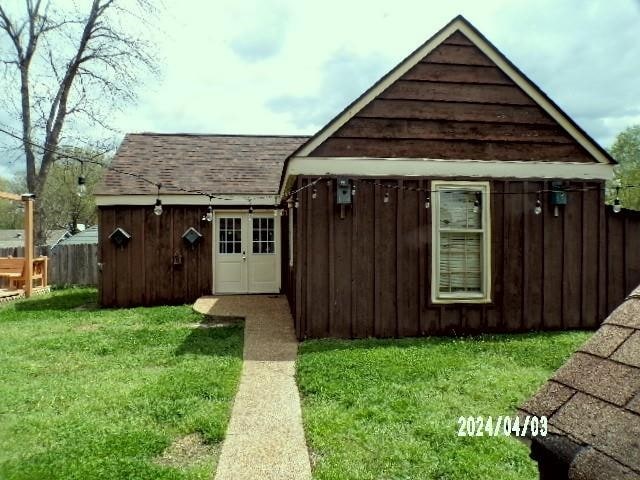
593, 401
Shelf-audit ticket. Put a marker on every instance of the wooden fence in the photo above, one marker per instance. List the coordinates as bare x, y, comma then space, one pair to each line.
623, 255
68, 264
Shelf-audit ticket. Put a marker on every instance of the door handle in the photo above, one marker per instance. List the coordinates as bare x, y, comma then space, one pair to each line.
244, 256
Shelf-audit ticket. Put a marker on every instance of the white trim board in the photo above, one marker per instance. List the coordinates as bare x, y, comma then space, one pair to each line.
428, 167
462, 25
187, 199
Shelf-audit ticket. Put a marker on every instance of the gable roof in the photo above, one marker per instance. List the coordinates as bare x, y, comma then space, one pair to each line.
593, 401
458, 24
238, 164
87, 236
12, 238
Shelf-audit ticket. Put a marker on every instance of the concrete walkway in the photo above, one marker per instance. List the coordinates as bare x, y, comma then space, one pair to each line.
265, 439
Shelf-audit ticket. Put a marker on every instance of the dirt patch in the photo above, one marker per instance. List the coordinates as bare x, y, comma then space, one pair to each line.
314, 458
188, 451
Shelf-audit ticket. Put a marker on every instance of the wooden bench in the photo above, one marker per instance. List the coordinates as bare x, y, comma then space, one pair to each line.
13, 269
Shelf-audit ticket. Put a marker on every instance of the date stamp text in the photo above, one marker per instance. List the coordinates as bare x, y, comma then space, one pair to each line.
480, 426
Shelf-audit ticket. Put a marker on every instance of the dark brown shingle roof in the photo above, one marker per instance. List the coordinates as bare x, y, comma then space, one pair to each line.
245, 164
593, 401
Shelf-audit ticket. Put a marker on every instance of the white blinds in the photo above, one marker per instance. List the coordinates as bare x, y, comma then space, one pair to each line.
461, 238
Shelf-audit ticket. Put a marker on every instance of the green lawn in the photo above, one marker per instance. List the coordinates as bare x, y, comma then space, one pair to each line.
388, 409
88, 393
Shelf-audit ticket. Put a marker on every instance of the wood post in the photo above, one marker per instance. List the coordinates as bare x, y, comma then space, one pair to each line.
45, 274
28, 244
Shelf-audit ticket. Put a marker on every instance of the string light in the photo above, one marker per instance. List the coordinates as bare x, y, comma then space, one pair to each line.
82, 182
208, 217
538, 208
250, 209
82, 186
476, 203
353, 190
427, 202
314, 194
386, 197
157, 209
617, 205
296, 204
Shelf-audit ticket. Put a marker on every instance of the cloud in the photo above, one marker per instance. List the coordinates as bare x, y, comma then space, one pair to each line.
345, 76
261, 31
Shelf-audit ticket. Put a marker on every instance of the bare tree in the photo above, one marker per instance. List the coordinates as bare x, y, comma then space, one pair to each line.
72, 68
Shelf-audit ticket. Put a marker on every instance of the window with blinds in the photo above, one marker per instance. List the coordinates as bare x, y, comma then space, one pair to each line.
461, 241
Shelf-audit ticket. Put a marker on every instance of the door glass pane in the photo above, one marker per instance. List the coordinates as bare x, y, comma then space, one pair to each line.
263, 237
230, 236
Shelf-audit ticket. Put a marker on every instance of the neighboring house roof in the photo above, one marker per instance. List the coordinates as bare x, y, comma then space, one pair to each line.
88, 236
11, 238
593, 402
238, 164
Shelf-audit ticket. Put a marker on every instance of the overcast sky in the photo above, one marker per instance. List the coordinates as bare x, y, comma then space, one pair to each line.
287, 67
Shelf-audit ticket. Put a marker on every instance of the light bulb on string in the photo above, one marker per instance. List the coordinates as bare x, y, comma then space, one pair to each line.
617, 205
538, 208
476, 203
82, 186
353, 190
296, 204
427, 203
209, 216
386, 197
314, 194
81, 189
157, 209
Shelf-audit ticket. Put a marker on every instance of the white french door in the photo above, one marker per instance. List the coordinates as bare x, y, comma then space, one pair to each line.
247, 253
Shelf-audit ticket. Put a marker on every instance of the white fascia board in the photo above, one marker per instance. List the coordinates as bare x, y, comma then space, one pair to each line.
428, 167
218, 201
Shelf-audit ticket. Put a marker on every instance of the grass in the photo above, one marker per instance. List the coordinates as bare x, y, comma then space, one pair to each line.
102, 394
388, 409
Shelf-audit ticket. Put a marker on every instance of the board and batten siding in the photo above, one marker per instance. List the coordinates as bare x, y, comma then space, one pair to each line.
368, 274
456, 103
144, 272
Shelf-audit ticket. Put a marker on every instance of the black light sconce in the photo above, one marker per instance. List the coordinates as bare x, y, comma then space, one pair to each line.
343, 192
120, 238
191, 237
558, 197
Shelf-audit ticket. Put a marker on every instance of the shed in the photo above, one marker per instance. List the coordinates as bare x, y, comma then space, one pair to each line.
453, 196
593, 405
88, 236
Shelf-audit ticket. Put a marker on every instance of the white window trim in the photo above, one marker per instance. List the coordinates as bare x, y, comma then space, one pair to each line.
462, 297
